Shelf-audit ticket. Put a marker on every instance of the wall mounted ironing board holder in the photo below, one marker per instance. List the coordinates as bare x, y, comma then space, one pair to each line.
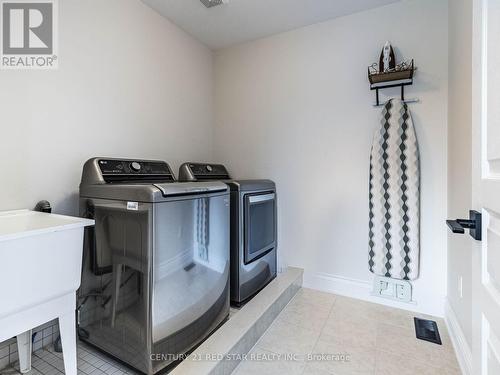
397, 78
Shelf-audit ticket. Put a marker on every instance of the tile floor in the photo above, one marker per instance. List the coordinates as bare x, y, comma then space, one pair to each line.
342, 336
90, 361
345, 337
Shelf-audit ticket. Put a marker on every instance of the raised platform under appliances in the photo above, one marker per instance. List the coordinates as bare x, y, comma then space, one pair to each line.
155, 279
253, 228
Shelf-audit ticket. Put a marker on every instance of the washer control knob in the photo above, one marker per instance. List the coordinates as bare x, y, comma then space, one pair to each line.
135, 166
209, 168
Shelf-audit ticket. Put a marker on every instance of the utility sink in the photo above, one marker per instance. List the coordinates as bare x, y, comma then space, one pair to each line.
40, 271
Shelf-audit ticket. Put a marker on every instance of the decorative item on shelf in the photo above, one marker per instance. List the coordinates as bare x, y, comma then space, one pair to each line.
387, 59
388, 74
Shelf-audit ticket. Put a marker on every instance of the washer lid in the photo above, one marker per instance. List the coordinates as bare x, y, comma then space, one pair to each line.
189, 188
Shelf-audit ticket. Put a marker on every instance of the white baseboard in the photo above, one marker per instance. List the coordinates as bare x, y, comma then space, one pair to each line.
337, 284
464, 353
362, 289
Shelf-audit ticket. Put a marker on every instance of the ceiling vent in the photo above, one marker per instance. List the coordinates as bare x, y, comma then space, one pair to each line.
213, 3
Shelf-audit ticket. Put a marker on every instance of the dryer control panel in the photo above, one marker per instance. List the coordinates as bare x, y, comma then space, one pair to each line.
202, 172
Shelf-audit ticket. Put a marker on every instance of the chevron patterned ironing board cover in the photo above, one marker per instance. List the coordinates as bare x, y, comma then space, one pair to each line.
394, 207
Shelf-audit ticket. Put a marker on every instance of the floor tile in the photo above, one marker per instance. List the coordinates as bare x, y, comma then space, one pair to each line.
286, 338
402, 341
356, 337
343, 355
391, 364
304, 312
312, 369
262, 362
48, 362
316, 298
317, 333
354, 327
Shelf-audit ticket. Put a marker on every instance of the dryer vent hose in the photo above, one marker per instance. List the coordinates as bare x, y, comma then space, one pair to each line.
43, 206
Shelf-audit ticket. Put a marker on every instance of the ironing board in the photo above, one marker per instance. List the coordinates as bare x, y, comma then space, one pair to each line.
394, 196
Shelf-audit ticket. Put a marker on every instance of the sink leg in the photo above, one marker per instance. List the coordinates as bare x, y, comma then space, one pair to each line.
24, 349
67, 327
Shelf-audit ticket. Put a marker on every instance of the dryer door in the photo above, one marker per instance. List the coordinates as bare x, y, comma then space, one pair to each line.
260, 224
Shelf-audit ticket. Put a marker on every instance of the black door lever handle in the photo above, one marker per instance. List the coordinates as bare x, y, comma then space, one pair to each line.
455, 226
473, 224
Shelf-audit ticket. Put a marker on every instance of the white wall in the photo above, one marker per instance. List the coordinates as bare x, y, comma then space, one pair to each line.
296, 108
129, 84
459, 160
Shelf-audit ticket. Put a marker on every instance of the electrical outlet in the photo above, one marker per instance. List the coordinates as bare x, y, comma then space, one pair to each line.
398, 290
403, 292
460, 287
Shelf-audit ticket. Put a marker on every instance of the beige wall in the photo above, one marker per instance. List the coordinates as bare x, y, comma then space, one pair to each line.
459, 159
297, 108
129, 84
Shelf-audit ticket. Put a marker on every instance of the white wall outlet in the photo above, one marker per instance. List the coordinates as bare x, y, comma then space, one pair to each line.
386, 289
403, 292
398, 290
460, 287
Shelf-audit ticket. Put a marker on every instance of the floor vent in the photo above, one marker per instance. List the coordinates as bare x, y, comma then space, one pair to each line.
189, 266
427, 330
212, 3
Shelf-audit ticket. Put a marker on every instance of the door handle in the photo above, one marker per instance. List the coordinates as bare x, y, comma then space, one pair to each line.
261, 198
473, 224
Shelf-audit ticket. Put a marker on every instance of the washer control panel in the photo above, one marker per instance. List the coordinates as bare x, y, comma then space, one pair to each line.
202, 172
121, 170
135, 166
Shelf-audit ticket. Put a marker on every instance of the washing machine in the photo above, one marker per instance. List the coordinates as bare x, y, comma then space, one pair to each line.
155, 279
253, 228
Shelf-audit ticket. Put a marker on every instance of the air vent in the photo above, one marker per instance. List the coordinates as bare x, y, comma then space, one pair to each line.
427, 330
212, 3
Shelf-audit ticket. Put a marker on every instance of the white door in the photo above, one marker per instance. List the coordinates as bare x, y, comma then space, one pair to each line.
486, 186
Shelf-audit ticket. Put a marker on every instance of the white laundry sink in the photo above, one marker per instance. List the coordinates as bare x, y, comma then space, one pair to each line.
40, 271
